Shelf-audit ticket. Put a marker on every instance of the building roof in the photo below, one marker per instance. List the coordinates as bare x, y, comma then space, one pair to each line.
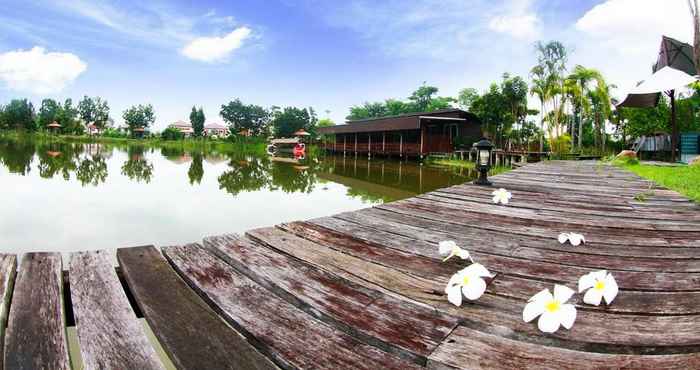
180, 124
215, 126
409, 121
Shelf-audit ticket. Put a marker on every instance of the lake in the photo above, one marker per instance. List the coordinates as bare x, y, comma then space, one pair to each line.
68, 196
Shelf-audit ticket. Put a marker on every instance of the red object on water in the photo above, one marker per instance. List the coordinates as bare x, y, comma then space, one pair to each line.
299, 149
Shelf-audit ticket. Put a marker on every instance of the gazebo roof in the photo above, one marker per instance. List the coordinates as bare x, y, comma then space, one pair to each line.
53, 124
301, 132
139, 129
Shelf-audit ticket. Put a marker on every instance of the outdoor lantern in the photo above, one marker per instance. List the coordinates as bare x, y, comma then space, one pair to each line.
483, 161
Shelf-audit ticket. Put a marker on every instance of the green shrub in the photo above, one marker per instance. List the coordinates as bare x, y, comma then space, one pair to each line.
171, 133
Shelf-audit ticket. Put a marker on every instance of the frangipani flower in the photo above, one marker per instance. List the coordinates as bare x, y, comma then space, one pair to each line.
449, 248
600, 284
552, 309
573, 238
501, 196
468, 282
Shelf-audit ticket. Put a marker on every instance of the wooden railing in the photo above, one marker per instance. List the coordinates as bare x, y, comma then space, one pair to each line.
383, 148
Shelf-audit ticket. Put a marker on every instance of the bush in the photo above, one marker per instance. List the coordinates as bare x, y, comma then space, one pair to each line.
114, 133
172, 133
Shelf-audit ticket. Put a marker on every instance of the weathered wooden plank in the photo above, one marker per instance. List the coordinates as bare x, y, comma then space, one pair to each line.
109, 333
500, 313
634, 302
36, 331
409, 330
291, 337
549, 250
633, 280
472, 349
532, 228
191, 333
8, 270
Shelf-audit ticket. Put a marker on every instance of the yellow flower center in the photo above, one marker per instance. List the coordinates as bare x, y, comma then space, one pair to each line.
599, 285
552, 306
465, 280
455, 250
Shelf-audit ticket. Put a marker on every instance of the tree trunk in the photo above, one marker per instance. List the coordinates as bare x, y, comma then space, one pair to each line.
542, 128
674, 126
693, 4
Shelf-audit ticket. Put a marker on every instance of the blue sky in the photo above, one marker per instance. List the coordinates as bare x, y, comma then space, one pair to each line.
325, 54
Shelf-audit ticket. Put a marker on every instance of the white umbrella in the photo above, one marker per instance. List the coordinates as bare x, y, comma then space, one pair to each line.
646, 94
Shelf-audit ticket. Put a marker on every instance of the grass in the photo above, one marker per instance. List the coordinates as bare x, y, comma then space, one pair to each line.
246, 145
467, 164
683, 179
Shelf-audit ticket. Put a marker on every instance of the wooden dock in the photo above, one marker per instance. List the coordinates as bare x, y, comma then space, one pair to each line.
364, 289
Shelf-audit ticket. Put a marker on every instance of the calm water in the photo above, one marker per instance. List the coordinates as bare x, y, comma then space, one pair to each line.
67, 197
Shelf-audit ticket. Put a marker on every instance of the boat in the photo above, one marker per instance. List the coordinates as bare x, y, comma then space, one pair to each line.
286, 145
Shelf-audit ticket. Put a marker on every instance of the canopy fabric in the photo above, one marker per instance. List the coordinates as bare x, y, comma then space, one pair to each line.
647, 93
675, 54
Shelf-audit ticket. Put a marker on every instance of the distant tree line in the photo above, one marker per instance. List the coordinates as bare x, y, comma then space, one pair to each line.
275, 120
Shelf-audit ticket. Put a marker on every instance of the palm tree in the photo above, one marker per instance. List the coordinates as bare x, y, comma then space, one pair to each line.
541, 90
583, 76
600, 99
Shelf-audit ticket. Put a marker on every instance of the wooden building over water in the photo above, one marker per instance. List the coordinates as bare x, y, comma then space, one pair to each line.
415, 134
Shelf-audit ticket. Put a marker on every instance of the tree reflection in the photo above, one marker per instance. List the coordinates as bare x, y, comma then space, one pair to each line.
196, 171
136, 166
245, 174
92, 171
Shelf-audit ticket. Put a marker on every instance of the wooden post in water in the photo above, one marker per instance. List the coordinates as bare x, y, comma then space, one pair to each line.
400, 145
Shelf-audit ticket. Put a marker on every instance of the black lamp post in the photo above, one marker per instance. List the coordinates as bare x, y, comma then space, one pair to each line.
483, 161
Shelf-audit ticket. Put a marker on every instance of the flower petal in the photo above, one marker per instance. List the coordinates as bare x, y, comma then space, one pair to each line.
474, 289
446, 246
585, 282
463, 254
599, 275
543, 296
532, 310
477, 270
563, 237
549, 322
611, 289
454, 280
567, 315
562, 293
575, 239
496, 199
593, 296
454, 295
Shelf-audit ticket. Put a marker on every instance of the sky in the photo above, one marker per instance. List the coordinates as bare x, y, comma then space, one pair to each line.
326, 54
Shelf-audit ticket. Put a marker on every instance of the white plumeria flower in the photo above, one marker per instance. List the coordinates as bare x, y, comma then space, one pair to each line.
468, 282
600, 284
552, 309
573, 238
501, 196
449, 248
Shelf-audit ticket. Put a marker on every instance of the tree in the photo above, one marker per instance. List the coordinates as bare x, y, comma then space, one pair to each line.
48, 112
67, 117
139, 116
493, 111
94, 110
19, 114
549, 83
197, 120
514, 91
421, 98
693, 5
291, 119
466, 98
172, 133
583, 77
251, 117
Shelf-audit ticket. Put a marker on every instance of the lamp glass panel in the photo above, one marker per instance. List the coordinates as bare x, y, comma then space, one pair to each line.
484, 156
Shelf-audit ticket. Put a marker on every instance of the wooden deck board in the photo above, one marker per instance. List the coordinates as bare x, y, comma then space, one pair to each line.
191, 333
109, 334
290, 336
396, 326
8, 270
36, 330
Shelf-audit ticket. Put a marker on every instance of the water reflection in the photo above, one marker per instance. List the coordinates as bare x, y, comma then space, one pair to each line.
125, 195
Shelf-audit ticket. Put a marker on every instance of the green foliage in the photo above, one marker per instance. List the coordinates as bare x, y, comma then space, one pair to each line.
139, 116
424, 99
197, 120
466, 98
19, 114
251, 117
172, 133
67, 117
47, 113
285, 122
560, 144
111, 132
94, 110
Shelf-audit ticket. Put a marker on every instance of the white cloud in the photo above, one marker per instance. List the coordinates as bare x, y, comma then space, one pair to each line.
622, 37
519, 26
216, 49
39, 72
